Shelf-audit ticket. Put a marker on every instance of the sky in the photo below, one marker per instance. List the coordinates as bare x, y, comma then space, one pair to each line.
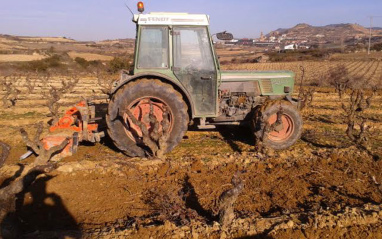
110, 19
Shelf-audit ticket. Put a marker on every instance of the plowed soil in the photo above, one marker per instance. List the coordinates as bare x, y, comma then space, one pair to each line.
320, 187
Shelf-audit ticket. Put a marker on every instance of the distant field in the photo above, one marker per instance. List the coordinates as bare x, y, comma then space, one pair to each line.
20, 57
5, 46
110, 42
225, 52
90, 56
238, 53
5, 40
47, 39
357, 56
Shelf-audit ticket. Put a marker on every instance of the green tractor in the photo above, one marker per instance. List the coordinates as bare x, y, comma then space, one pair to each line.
177, 81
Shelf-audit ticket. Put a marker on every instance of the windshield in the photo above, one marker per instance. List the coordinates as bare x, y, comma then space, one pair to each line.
192, 49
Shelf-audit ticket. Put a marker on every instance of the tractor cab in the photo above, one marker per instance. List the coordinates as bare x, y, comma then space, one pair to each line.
179, 46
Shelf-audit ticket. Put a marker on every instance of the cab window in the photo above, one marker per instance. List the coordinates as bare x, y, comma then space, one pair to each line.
153, 48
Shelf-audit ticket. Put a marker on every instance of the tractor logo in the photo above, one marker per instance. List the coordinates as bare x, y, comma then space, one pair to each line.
158, 19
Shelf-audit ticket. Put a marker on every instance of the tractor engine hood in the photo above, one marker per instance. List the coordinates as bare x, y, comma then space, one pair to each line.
258, 82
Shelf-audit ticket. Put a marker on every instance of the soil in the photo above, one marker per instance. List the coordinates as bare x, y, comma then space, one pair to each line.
320, 187
99, 192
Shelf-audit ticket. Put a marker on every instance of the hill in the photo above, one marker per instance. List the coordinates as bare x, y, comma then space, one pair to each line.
328, 33
28, 48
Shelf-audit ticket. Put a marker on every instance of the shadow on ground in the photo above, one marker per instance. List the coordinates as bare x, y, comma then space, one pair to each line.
234, 134
38, 214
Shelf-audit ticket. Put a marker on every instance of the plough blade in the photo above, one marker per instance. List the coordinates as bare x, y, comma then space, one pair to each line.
78, 124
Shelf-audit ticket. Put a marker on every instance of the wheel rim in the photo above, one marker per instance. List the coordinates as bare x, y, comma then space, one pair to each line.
140, 109
286, 131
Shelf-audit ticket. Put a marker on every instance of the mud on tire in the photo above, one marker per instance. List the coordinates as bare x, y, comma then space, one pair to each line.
266, 115
149, 88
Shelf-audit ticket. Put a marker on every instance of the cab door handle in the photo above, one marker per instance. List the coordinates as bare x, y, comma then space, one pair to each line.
206, 78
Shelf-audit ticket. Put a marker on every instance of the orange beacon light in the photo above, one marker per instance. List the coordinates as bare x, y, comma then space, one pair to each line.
141, 7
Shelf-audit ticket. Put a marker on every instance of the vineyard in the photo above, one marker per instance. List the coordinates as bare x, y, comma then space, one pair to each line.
29, 95
326, 184
317, 72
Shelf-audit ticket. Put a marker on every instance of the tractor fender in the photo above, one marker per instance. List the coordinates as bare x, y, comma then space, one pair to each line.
125, 78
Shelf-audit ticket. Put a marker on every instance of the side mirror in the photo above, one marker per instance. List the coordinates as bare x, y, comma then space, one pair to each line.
224, 36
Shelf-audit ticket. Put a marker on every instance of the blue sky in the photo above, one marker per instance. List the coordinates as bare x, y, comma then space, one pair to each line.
109, 19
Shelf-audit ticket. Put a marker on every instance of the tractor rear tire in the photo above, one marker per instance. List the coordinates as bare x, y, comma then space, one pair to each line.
157, 93
266, 115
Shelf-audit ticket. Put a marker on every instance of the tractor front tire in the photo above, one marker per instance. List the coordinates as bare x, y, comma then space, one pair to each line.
142, 97
289, 131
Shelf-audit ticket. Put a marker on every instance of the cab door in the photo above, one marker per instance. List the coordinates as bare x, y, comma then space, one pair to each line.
194, 66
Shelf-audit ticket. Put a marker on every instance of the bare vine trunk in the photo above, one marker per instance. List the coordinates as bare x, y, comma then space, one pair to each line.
227, 200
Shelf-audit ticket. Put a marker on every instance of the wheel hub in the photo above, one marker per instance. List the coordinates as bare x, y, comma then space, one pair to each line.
141, 109
282, 130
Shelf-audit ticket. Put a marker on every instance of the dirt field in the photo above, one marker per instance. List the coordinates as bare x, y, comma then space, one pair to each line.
321, 187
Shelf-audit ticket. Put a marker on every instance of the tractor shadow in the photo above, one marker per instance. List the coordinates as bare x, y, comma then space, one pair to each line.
236, 135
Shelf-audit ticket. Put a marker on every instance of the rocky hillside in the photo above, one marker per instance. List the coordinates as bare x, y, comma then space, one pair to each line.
333, 32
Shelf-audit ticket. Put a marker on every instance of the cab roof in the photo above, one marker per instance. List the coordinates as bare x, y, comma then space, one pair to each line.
170, 18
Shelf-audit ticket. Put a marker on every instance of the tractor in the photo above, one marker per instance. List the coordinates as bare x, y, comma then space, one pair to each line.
177, 81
